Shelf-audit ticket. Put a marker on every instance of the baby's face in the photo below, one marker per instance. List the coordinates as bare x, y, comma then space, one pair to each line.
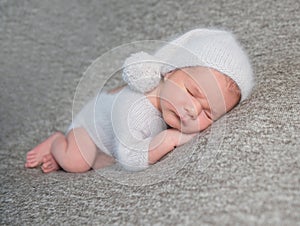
192, 98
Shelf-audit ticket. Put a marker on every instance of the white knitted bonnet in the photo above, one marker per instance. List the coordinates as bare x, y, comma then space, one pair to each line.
215, 49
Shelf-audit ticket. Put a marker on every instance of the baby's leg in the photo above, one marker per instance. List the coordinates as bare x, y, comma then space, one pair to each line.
75, 153
35, 156
102, 160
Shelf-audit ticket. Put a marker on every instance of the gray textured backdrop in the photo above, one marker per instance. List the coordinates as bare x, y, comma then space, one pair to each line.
251, 175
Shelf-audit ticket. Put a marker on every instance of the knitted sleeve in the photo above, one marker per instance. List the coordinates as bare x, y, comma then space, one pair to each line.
135, 123
134, 157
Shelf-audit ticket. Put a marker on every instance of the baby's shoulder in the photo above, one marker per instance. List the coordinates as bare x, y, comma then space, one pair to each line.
131, 102
134, 109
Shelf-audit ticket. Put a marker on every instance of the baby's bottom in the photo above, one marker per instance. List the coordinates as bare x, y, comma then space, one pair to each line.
75, 152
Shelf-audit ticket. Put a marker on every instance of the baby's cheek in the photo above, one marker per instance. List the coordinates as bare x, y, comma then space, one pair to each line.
172, 120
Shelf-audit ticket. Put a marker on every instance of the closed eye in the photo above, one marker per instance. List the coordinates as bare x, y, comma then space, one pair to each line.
194, 90
189, 91
208, 115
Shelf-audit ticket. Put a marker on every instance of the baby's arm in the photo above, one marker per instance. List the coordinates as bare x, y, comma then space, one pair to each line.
166, 141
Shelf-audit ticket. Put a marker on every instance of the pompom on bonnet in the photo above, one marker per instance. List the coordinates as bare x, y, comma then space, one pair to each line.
217, 49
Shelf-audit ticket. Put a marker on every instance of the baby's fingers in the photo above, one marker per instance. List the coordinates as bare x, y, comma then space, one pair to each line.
184, 138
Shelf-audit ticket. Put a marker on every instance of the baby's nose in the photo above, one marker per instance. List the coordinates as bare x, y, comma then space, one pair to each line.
192, 112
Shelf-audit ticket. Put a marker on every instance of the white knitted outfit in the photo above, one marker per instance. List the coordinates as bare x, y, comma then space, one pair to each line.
122, 125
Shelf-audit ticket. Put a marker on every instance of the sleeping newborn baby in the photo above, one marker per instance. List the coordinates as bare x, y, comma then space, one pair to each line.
170, 96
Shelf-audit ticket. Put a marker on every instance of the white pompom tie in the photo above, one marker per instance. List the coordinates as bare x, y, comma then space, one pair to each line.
141, 71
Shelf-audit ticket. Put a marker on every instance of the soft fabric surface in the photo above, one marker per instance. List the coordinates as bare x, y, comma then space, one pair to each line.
244, 170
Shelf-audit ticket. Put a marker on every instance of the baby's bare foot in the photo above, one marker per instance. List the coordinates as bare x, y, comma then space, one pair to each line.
49, 164
35, 157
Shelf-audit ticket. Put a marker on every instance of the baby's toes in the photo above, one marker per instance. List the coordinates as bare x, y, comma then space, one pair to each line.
31, 163
47, 169
50, 167
31, 154
47, 158
30, 157
49, 164
46, 165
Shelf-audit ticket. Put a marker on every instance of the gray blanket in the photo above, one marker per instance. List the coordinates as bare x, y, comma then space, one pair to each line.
244, 170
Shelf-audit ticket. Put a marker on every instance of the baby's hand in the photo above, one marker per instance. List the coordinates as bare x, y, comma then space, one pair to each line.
165, 142
184, 137
180, 138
